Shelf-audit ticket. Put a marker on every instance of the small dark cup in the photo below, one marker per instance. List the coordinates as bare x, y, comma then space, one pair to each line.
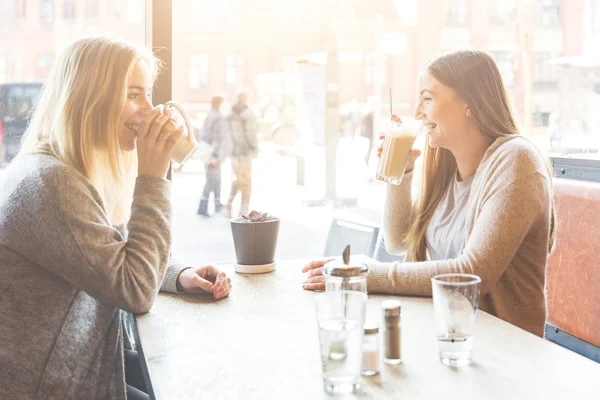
255, 242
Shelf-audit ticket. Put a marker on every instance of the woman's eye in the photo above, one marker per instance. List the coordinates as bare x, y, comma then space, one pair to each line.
133, 95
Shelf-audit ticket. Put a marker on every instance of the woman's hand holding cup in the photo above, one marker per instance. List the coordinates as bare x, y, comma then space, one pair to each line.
157, 135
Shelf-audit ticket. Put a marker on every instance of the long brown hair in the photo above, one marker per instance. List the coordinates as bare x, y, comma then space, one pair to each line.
474, 77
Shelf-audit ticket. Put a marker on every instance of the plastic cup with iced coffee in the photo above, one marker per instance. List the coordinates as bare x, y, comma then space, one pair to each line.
398, 141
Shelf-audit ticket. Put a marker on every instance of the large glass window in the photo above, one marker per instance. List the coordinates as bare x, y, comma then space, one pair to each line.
115, 9
47, 13
43, 64
234, 70
546, 51
548, 12
21, 8
545, 73
507, 62
503, 12
37, 35
199, 68
375, 68
69, 10
2, 69
279, 50
456, 12
92, 9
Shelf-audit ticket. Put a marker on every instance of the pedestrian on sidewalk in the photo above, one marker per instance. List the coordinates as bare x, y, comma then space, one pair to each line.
213, 132
242, 126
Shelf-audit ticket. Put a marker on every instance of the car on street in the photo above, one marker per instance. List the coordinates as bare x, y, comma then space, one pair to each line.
17, 103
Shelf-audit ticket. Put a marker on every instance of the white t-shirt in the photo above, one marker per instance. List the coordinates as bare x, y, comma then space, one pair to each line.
446, 234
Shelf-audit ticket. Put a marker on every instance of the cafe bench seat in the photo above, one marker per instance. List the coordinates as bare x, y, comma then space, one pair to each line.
573, 269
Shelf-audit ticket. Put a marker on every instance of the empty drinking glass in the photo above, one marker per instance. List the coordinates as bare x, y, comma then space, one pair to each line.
455, 301
341, 315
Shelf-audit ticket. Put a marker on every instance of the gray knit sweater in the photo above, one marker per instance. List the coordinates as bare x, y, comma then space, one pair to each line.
66, 275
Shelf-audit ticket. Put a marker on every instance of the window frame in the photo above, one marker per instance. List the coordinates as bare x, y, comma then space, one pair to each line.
575, 168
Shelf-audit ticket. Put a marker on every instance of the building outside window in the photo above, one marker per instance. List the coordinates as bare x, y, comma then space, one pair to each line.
2, 69
408, 11
115, 9
545, 75
234, 70
456, 12
506, 61
43, 65
46, 12
199, 71
370, 69
92, 9
503, 12
21, 8
135, 11
69, 10
548, 13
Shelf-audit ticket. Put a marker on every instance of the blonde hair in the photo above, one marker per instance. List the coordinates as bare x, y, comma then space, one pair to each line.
78, 117
474, 77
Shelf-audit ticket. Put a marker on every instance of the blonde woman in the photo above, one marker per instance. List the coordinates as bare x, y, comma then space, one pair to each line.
85, 216
485, 204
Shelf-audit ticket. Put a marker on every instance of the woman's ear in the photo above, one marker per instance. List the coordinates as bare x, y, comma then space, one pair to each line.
468, 111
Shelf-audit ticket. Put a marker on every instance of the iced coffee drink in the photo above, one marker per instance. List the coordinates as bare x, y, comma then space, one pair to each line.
397, 144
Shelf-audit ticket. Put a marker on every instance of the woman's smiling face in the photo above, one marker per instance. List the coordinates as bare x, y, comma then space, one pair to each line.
137, 105
443, 113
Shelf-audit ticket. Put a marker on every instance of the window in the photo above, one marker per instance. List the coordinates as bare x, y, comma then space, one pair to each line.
545, 75
47, 12
503, 12
456, 12
92, 9
234, 70
69, 9
370, 69
407, 11
548, 13
2, 69
43, 65
135, 11
21, 8
506, 62
222, 16
115, 9
199, 65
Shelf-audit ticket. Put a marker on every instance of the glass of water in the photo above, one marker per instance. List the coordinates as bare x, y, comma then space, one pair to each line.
341, 315
455, 301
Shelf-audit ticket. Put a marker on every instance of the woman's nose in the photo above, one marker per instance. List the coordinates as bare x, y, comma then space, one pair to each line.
419, 112
146, 108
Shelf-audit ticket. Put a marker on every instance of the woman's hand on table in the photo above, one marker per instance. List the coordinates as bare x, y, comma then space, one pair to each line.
207, 279
315, 280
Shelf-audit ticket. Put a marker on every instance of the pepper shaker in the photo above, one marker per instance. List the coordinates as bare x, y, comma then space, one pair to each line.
392, 331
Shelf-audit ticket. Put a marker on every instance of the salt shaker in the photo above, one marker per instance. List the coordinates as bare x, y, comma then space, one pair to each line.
345, 275
371, 363
392, 332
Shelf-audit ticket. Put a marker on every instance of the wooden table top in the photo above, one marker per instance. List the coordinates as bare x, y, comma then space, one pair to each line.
262, 343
